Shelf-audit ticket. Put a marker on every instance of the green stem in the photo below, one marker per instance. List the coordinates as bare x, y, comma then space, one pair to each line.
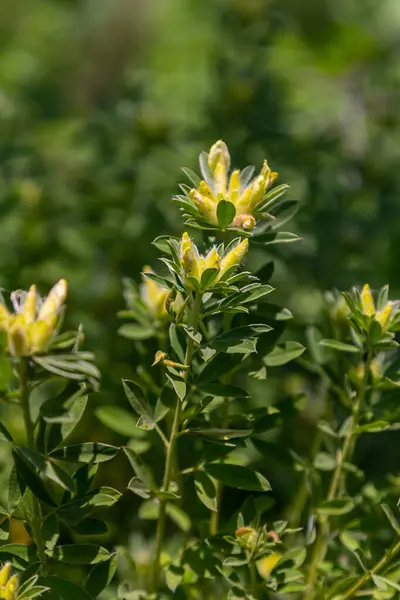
253, 579
343, 455
389, 554
169, 461
36, 522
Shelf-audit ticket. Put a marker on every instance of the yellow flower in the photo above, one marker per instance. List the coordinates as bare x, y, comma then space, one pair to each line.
233, 258
383, 316
266, 564
194, 265
154, 296
246, 200
8, 585
30, 328
367, 301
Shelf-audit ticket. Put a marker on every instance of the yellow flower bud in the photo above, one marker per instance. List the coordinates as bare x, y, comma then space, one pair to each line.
234, 187
233, 258
248, 535
5, 573
11, 588
40, 333
212, 260
18, 343
246, 222
204, 190
189, 257
266, 564
383, 316
220, 179
367, 301
153, 295
52, 304
29, 309
219, 154
206, 206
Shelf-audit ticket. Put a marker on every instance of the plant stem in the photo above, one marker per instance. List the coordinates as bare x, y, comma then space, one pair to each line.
343, 455
253, 578
36, 522
169, 461
389, 554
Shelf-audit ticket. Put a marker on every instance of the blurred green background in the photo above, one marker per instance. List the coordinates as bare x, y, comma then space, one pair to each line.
102, 102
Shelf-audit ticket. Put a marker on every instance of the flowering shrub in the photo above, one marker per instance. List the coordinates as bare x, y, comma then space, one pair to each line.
208, 335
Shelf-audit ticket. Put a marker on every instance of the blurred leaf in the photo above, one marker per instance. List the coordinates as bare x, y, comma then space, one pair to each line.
340, 346
79, 554
238, 476
205, 489
281, 355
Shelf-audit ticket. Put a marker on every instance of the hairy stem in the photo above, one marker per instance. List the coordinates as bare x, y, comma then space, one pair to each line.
36, 522
387, 557
343, 455
169, 461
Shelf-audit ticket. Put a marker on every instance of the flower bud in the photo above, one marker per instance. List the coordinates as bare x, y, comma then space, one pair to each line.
51, 306
10, 593
383, 316
29, 309
153, 295
367, 301
5, 573
18, 343
248, 536
219, 154
233, 258
40, 334
246, 222
212, 260
234, 187
205, 205
189, 257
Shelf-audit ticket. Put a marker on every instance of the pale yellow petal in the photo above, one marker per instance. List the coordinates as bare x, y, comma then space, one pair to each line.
219, 154
233, 258
52, 304
266, 564
367, 301
29, 309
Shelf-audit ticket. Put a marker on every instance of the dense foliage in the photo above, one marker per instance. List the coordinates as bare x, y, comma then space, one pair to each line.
101, 103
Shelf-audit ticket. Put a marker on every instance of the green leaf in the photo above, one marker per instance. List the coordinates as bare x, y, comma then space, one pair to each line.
91, 527
215, 433
324, 462
87, 452
101, 575
205, 490
223, 390
178, 516
281, 355
64, 590
174, 576
176, 343
138, 487
192, 176
234, 336
237, 476
226, 212
135, 332
139, 402
179, 386
29, 475
340, 346
373, 427
276, 237
47, 468
79, 554
75, 510
218, 365
164, 283
117, 419
5, 435
391, 518
337, 506
19, 554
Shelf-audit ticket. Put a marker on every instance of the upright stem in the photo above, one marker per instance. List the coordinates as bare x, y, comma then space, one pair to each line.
169, 461
253, 579
343, 455
214, 519
391, 553
24, 392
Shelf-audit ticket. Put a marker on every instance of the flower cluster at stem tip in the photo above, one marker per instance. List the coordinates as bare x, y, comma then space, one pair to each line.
8, 585
31, 327
195, 265
246, 197
383, 316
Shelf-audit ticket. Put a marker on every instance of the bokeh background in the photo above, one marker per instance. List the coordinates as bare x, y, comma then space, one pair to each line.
102, 102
